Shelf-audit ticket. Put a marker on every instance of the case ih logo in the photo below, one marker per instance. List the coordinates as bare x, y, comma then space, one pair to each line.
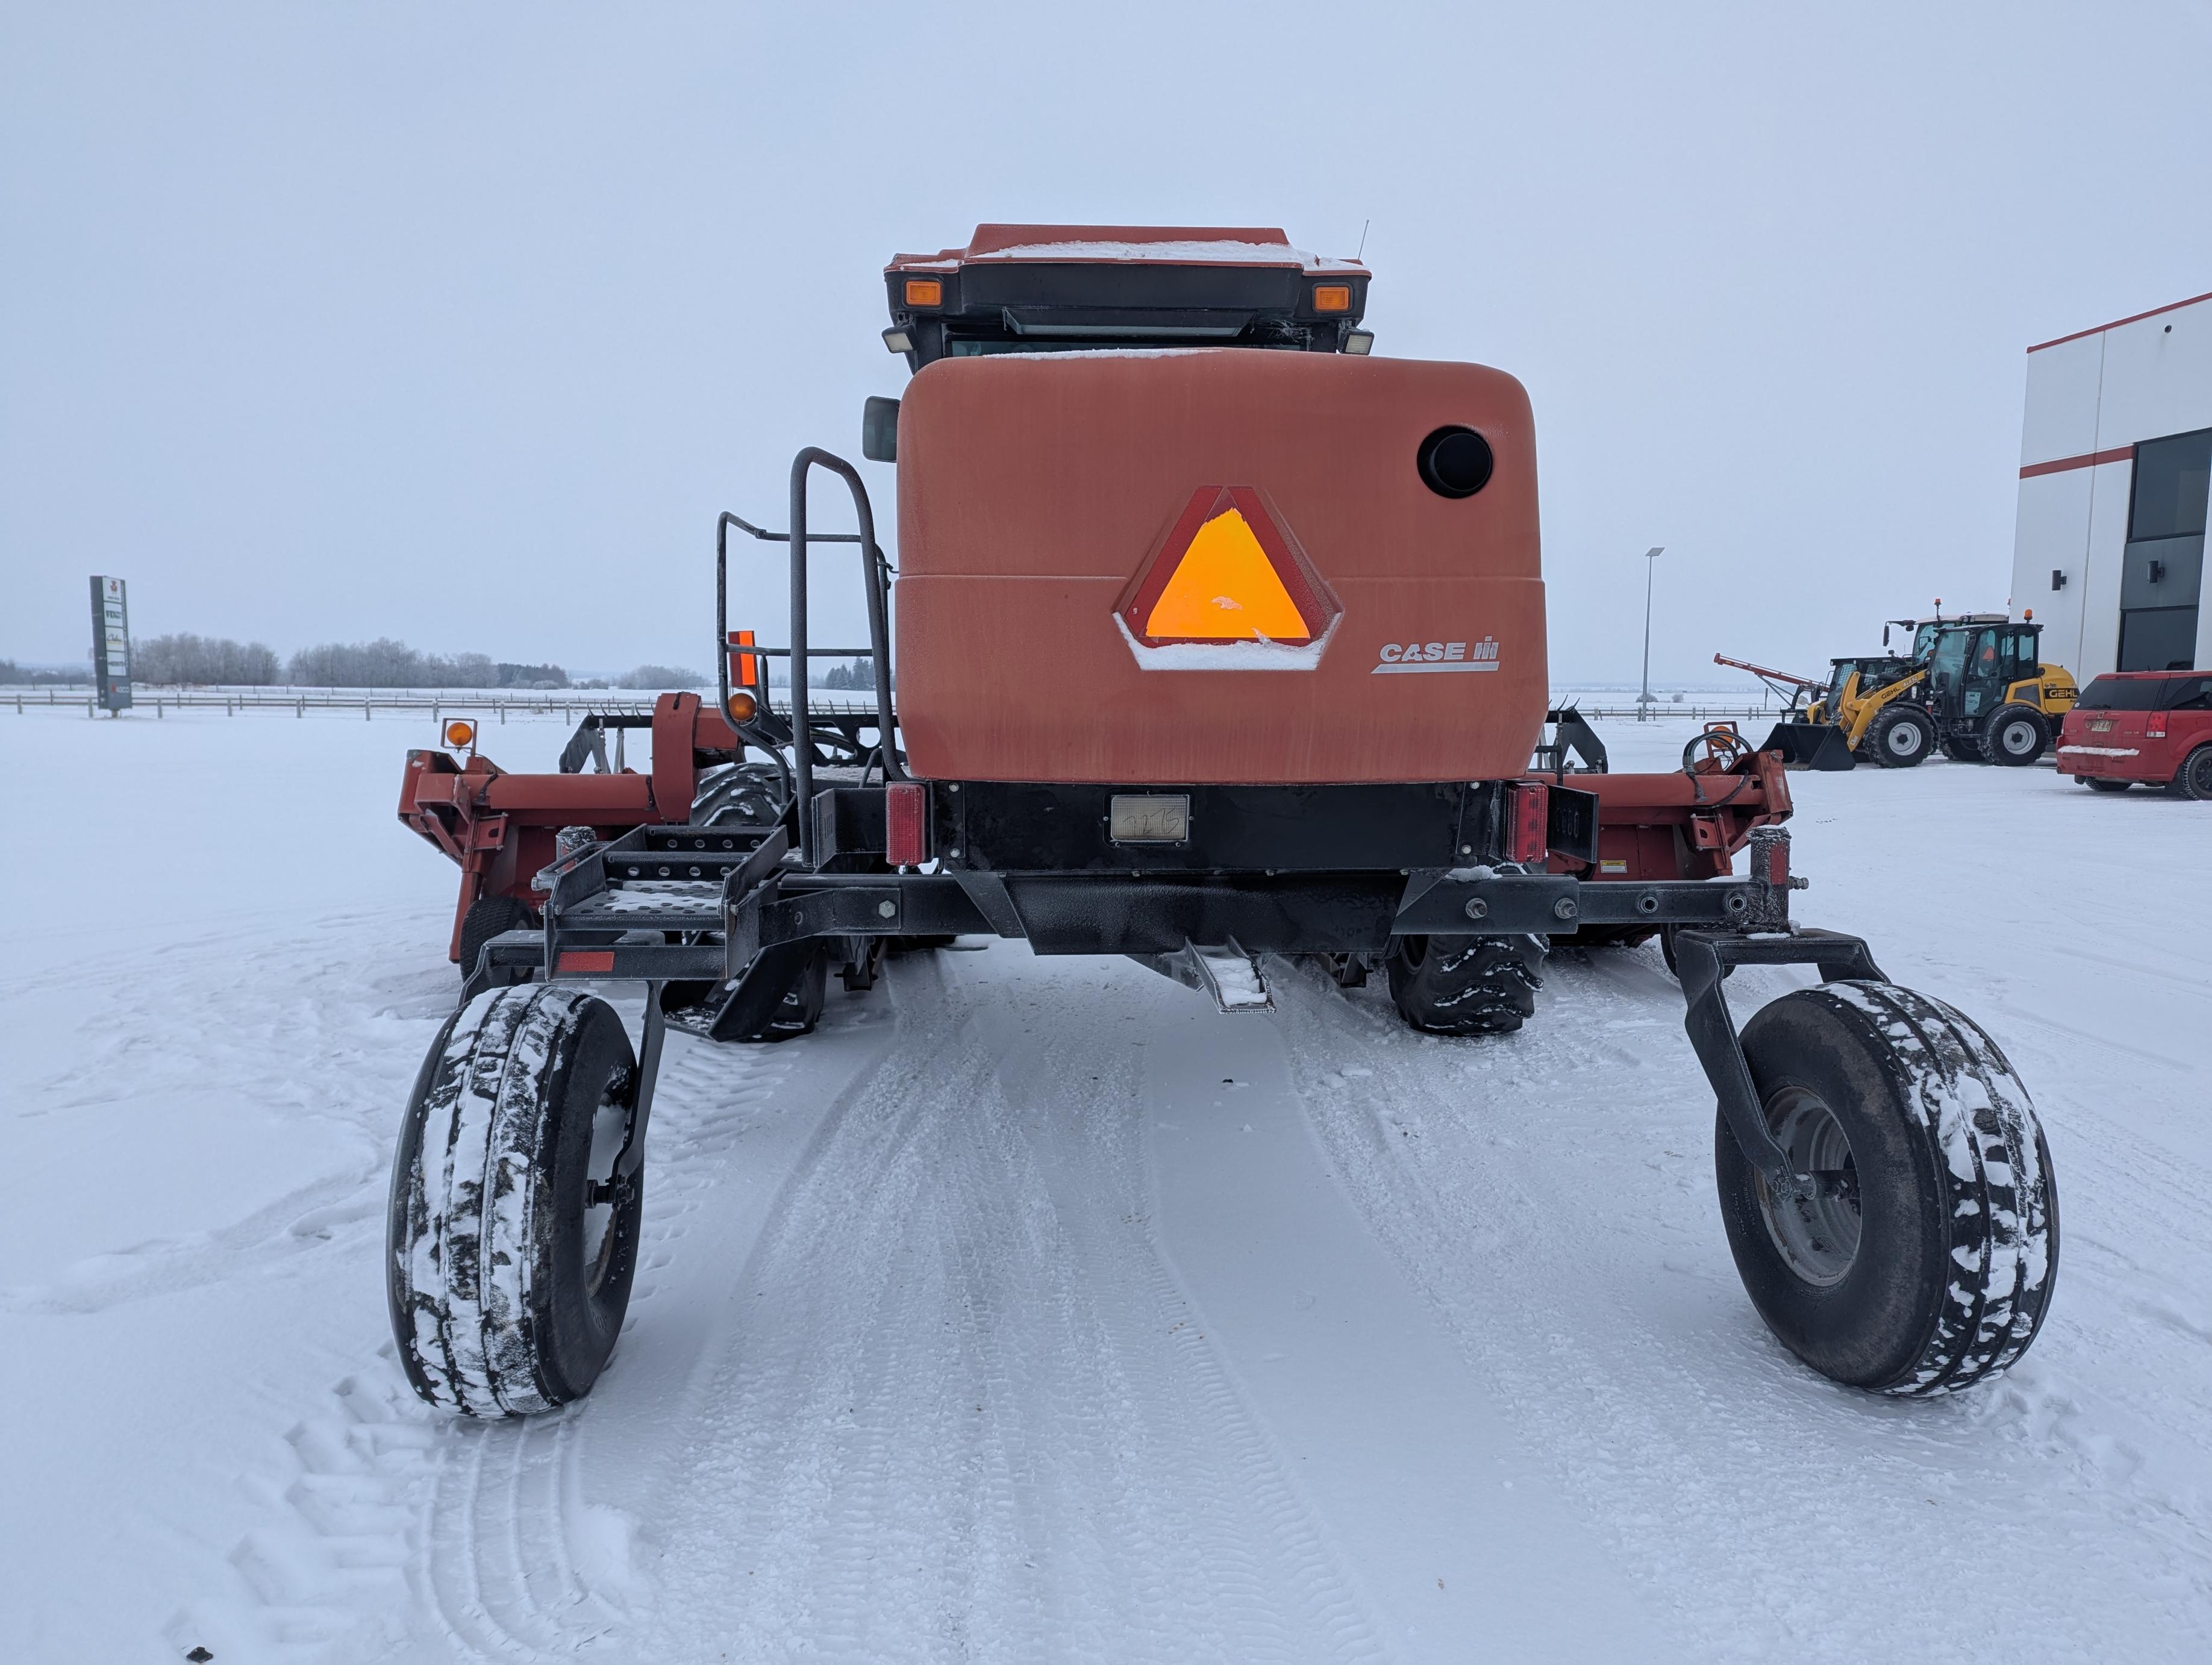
1401, 658
1227, 574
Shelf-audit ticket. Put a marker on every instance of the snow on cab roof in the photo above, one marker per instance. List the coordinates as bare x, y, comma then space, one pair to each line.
1185, 245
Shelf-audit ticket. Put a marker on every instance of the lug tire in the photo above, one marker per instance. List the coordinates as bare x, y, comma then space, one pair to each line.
506, 1286
1959, 749
1901, 738
2015, 735
1466, 985
486, 917
2100, 783
2195, 778
1954, 1210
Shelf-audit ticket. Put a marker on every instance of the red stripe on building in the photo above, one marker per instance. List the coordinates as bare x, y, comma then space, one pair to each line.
2138, 318
2089, 461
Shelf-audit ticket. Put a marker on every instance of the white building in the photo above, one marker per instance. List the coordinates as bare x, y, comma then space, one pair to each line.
2116, 459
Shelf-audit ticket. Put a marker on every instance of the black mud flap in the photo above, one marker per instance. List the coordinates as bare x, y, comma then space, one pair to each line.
1810, 746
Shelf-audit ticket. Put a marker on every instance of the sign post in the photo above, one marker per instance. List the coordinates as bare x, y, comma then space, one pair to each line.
111, 645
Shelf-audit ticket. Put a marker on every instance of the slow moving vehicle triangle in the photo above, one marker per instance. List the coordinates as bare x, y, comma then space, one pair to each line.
1227, 572
1224, 589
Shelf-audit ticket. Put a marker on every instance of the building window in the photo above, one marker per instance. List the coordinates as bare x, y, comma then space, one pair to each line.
2163, 563
2172, 478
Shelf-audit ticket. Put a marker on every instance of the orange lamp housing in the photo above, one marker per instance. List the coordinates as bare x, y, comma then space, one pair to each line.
924, 292
744, 668
744, 708
460, 732
1332, 297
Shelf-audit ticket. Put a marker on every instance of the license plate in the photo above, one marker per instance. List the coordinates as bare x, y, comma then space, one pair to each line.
2104, 727
1157, 818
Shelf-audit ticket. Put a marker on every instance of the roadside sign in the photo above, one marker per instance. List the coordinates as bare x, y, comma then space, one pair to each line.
111, 644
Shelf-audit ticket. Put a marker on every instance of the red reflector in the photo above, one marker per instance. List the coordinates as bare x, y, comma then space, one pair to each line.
1530, 821
586, 959
906, 823
1777, 862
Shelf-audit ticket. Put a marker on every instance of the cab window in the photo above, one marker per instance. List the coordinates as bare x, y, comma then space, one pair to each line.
1985, 656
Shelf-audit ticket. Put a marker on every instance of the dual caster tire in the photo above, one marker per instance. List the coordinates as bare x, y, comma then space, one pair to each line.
510, 1245
1924, 1261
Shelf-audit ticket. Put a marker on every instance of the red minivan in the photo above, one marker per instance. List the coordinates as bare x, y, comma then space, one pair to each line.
2155, 727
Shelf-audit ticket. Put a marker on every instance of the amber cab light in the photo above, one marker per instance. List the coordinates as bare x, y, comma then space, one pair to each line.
744, 668
459, 734
744, 708
1332, 297
923, 292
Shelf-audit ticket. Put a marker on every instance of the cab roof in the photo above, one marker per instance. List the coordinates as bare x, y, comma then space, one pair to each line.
1028, 288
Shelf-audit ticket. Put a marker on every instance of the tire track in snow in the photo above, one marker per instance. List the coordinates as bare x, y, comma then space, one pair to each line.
1552, 1190
963, 1415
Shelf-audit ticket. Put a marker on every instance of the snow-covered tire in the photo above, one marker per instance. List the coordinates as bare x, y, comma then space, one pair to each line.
1902, 736
1930, 1267
507, 1281
486, 917
1466, 985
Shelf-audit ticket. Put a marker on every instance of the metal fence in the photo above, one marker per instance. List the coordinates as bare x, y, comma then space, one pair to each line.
496, 706
367, 700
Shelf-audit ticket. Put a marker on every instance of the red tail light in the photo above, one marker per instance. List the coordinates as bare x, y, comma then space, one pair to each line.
1528, 822
906, 823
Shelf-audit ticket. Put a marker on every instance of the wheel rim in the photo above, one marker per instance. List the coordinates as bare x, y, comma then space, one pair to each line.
1904, 740
2017, 739
610, 1125
2200, 774
1817, 1235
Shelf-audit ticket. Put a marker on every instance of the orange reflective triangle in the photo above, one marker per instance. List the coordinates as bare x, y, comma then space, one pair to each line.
1225, 589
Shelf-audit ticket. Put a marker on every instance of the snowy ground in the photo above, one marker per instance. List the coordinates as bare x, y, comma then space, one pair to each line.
1031, 1310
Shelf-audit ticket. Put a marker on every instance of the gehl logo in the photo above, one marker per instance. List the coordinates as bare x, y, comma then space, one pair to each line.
1404, 658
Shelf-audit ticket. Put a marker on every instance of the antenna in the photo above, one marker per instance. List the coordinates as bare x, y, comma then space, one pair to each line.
1363, 224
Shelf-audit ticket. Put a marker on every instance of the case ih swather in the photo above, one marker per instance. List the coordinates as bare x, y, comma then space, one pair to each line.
1216, 638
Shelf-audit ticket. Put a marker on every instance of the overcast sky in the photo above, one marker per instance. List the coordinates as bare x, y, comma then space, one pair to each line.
460, 324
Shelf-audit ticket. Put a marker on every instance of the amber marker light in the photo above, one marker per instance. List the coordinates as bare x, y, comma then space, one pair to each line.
923, 292
744, 708
1328, 297
459, 734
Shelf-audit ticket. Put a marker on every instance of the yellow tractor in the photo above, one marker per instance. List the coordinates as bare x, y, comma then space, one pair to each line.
1865, 709
1974, 686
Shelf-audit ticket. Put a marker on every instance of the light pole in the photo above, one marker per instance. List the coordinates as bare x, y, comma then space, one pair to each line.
1651, 565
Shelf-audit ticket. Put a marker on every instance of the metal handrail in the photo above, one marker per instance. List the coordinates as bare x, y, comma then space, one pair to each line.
875, 572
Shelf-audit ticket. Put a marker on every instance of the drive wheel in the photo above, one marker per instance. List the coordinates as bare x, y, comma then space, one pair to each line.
1901, 737
510, 1249
1959, 749
486, 917
2014, 735
1465, 984
1924, 1260
2195, 777
2100, 783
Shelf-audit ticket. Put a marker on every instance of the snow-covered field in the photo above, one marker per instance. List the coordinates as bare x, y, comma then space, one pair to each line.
1031, 1310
